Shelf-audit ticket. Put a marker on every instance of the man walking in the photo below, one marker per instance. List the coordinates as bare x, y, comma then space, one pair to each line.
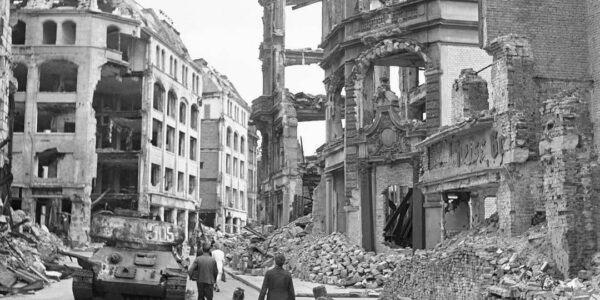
206, 268
278, 284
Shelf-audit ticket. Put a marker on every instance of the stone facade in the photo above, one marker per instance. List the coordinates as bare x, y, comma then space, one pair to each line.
226, 153
106, 115
7, 90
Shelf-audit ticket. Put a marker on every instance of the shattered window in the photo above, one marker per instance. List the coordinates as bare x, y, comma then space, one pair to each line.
182, 112
19, 119
172, 104
193, 148
155, 175
156, 133
58, 76
180, 182
49, 33
168, 179
192, 184
181, 144
18, 33
194, 116
170, 139
48, 163
159, 96
69, 33
56, 117
20, 73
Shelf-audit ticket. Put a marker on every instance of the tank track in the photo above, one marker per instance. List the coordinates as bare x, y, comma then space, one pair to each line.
83, 284
176, 288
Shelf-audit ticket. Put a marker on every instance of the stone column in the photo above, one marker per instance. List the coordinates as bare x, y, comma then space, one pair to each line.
329, 203
161, 213
174, 216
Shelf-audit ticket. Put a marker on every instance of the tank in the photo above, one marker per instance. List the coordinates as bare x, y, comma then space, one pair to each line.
138, 261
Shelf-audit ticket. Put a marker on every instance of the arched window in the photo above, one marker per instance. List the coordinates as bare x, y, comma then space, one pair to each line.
182, 112
49, 33
113, 38
235, 141
228, 142
171, 65
20, 73
194, 117
58, 76
18, 33
242, 144
159, 97
172, 104
162, 59
69, 33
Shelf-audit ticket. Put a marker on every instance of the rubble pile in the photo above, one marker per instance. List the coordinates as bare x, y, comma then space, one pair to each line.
331, 259
485, 264
28, 255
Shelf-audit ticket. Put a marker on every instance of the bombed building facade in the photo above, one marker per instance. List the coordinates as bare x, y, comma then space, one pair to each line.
107, 114
228, 149
439, 114
7, 90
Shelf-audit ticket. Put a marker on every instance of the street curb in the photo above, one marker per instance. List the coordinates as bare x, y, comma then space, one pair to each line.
304, 295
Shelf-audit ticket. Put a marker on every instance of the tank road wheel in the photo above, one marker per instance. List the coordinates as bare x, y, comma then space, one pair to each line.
176, 288
82, 284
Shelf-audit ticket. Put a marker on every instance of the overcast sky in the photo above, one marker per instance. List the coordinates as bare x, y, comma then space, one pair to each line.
227, 33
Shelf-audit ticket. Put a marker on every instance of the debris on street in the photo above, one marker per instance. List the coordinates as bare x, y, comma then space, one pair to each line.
28, 256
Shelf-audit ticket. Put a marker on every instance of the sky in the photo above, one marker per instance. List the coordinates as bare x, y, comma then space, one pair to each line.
227, 33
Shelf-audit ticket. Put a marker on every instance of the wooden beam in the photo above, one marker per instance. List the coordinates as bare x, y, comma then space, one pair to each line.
296, 4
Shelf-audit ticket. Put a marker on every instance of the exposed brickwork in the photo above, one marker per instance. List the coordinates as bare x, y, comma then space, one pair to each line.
571, 179
469, 96
556, 29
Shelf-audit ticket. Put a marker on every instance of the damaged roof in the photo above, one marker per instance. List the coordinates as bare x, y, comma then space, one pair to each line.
215, 82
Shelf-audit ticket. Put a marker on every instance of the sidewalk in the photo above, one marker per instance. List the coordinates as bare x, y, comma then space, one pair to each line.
304, 288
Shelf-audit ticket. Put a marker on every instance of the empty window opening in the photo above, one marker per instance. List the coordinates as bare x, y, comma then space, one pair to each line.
229, 133
48, 163
236, 199
69, 33
181, 148
106, 6
180, 182
242, 144
20, 73
193, 148
228, 164
117, 103
235, 167
157, 133
171, 65
18, 33
169, 215
192, 184
170, 139
175, 68
19, 119
155, 175
113, 38
55, 117
242, 169
49, 33
58, 76
235, 141
158, 97
168, 179
162, 59
172, 105
194, 117
157, 60
182, 112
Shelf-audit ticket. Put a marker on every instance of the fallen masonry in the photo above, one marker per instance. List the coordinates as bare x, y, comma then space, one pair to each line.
28, 256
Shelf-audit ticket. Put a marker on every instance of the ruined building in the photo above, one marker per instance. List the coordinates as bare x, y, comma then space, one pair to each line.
107, 114
228, 149
276, 115
7, 90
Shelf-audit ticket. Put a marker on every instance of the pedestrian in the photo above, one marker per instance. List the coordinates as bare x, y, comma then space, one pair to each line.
278, 284
204, 271
219, 256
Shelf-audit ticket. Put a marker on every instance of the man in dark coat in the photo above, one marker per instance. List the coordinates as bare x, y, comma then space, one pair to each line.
206, 268
278, 284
